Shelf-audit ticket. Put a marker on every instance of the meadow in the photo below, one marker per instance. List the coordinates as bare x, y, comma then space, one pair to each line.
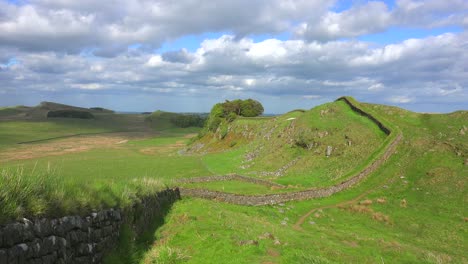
411, 210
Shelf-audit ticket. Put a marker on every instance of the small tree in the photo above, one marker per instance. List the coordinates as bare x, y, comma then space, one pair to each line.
251, 108
230, 110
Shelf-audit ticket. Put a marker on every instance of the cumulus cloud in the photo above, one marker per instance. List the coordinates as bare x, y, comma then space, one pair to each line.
108, 27
106, 52
374, 17
360, 20
408, 72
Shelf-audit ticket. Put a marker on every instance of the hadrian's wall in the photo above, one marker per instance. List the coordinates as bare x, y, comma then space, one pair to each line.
306, 194
78, 239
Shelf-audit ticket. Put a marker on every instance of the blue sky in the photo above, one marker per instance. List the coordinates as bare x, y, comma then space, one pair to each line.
180, 56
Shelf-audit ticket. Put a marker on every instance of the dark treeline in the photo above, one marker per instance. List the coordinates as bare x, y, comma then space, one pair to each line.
70, 114
188, 120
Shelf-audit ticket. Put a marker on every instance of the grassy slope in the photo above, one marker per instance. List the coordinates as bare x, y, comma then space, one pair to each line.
427, 173
13, 132
423, 218
272, 143
101, 177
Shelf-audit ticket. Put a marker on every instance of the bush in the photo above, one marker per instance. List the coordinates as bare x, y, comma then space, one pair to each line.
230, 110
70, 114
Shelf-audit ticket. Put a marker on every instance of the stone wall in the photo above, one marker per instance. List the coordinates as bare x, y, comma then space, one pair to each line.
310, 193
292, 196
77, 239
231, 177
357, 109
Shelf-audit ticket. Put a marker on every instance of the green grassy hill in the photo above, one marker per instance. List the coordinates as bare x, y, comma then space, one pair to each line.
291, 149
411, 209
39, 112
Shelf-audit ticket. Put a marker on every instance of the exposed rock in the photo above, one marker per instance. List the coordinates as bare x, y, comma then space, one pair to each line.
3, 256
266, 236
329, 151
248, 242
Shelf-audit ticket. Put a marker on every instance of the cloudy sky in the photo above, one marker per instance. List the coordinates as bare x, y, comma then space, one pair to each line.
186, 55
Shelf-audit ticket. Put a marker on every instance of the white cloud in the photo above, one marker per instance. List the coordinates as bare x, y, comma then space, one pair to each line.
311, 97
53, 42
400, 99
371, 17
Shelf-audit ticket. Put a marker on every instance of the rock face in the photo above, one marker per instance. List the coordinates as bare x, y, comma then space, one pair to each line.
77, 239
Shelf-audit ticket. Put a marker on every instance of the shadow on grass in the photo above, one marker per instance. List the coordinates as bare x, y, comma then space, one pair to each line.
137, 237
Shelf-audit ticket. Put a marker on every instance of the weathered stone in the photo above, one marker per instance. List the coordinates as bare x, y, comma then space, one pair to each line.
13, 234
28, 230
49, 244
64, 226
49, 259
107, 230
35, 261
248, 242
1, 238
3, 256
96, 235
43, 228
83, 260
35, 247
18, 253
61, 243
329, 151
84, 249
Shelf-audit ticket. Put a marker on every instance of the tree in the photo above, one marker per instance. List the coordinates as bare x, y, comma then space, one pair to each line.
230, 110
250, 108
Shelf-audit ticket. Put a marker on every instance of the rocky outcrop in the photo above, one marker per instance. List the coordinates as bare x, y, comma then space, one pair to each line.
77, 239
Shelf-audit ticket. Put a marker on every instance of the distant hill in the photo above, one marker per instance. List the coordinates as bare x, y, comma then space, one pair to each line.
41, 111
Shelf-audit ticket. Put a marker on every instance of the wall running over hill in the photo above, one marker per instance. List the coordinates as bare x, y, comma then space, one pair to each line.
306, 194
231, 177
355, 108
78, 239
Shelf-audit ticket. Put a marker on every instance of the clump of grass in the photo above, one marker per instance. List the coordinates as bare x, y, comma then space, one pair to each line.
44, 193
166, 255
24, 193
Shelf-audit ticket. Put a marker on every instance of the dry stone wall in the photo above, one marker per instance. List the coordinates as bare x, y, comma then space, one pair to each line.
310, 193
231, 177
77, 239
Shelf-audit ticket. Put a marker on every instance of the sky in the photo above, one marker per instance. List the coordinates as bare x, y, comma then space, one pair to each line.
187, 55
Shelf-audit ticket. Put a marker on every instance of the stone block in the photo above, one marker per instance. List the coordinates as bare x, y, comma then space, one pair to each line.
84, 249
35, 247
12, 234
3, 256
49, 244
83, 260
49, 259
43, 228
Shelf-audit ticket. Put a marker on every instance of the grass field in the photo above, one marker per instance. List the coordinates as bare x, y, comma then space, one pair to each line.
411, 210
